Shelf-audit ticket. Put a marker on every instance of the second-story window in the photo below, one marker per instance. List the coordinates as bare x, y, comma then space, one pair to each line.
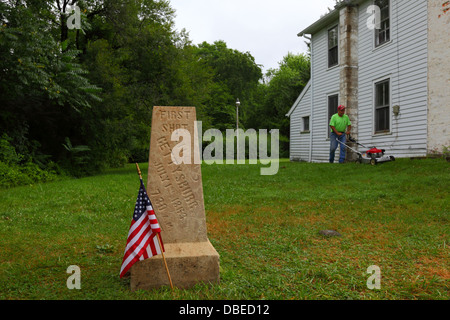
383, 34
333, 47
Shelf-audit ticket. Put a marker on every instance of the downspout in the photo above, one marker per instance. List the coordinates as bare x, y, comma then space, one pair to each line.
311, 116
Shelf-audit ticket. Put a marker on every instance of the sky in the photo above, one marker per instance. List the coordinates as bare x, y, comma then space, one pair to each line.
266, 28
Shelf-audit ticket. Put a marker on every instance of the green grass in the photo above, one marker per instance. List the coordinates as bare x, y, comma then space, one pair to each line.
265, 228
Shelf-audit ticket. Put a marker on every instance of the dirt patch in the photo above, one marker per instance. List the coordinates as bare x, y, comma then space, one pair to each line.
433, 266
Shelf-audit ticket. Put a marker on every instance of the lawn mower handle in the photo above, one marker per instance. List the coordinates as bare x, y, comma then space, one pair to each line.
357, 152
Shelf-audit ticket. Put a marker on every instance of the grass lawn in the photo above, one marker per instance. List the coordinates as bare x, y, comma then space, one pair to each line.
265, 228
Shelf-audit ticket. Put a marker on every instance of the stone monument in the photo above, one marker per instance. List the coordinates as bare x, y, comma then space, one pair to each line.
176, 192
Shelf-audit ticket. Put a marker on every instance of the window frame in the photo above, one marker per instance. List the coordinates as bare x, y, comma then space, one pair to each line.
386, 104
335, 47
387, 29
306, 124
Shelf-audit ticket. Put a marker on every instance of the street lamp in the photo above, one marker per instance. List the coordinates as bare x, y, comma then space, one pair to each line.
238, 103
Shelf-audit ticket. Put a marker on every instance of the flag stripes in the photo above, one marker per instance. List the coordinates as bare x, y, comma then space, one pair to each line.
142, 241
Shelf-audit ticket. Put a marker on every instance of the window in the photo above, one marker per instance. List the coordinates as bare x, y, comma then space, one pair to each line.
333, 101
333, 47
383, 34
382, 104
305, 124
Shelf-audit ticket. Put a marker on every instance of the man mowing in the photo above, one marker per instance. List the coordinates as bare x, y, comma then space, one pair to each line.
340, 125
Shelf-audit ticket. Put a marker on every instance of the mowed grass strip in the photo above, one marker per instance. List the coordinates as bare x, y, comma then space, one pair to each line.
265, 228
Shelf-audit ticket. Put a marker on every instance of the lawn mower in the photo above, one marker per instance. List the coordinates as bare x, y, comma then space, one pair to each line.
372, 156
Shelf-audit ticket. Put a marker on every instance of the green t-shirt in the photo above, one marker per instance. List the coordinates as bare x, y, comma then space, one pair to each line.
340, 123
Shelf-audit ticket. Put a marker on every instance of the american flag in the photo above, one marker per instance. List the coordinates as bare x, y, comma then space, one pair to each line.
142, 242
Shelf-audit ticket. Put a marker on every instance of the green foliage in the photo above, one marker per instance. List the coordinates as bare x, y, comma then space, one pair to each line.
277, 95
77, 161
8, 154
284, 86
234, 70
34, 66
235, 75
43, 85
95, 87
14, 171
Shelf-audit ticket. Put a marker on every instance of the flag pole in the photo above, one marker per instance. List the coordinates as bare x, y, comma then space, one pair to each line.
159, 238
164, 258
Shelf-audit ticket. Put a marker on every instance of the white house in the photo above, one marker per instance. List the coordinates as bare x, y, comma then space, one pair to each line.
392, 73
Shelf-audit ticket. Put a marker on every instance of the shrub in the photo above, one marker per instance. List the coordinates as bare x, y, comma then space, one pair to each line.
8, 154
14, 171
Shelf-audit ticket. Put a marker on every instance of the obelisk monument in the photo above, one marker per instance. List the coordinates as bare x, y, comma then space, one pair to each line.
176, 192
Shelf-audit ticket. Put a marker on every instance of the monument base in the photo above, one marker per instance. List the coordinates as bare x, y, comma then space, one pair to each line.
188, 263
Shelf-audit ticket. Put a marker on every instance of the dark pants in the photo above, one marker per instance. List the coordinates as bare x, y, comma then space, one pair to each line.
334, 144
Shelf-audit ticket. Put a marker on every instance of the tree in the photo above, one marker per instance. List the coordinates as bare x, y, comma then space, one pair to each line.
84, 97
278, 93
132, 54
41, 83
235, 75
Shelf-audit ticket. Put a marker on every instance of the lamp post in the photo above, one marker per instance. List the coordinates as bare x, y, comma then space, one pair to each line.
238, 103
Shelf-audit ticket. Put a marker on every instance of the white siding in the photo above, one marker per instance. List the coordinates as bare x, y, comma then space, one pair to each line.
299, 142
404, 61
325, 82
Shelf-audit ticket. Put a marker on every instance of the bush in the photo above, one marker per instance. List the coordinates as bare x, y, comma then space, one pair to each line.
8, 154
15, 172
28, 173
9, 175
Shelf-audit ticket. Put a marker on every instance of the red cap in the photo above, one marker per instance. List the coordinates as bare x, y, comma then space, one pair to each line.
341, 107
